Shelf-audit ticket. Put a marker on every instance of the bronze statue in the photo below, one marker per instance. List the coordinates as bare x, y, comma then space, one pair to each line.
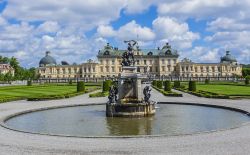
128, 56
146, 93
113, 92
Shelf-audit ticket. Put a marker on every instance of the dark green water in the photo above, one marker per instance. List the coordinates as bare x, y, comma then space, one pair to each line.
170, 119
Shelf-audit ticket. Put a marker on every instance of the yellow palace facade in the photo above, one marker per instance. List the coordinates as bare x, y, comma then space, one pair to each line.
161, 62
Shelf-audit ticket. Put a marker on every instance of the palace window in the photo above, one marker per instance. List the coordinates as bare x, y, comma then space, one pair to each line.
138, 62
151, 69
89, 69
85, 70
107, 69
169, 61
113, 69
107, 62
93, 69
101, 69
156, 69
138, 69
150, 61
163, 61
174, 61
113, 62
163, 68
145, 62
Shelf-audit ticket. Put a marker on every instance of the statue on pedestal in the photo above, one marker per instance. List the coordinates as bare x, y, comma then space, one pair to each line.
113, 92
128, 56
146, 93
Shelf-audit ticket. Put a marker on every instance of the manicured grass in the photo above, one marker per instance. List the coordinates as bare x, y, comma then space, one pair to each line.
40, 91
231, 90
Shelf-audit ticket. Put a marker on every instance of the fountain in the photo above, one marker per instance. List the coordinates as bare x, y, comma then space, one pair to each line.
132, 101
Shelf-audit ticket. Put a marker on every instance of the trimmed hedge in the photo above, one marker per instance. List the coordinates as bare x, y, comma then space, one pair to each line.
192, 86
70, 82
177, 84
201, 93
154, 83
29, 83
99, 94
207, 81
167, 86
106, 85
80, 86
168, 93
247, 81
54, 97
159, 84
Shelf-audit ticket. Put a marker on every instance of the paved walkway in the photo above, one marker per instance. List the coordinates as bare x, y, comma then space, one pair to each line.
234, 141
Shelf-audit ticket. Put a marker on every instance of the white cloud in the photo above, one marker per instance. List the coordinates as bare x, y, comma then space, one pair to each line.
131, 30
106, 31
170, 30
87, 13
227, 24
48, 27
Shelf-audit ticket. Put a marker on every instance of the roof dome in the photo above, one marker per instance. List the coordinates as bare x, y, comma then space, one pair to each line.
228, 58
47, 60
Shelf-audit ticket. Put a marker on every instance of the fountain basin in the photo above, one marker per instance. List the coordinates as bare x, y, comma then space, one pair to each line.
90, 121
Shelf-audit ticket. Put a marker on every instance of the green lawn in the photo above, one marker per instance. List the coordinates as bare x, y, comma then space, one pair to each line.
231, 90
40, 90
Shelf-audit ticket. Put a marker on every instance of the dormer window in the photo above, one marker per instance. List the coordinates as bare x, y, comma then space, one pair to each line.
168, 52
150, 53
106, 53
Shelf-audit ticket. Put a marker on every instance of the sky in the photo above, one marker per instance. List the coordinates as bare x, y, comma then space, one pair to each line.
74, 31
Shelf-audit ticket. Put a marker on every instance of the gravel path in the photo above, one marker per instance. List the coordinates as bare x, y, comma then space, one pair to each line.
233, 141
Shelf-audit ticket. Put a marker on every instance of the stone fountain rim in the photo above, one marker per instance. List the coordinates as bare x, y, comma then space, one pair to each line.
6, 118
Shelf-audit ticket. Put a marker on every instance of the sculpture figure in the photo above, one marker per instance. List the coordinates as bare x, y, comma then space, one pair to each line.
146, 93
113, 92
128, 57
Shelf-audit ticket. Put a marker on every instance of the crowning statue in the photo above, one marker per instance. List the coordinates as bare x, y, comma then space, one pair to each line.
128, 56
146, 93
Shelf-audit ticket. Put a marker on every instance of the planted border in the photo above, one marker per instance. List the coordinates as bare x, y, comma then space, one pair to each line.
168, 93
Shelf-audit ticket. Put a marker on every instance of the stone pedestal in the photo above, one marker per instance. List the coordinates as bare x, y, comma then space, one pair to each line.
130, 97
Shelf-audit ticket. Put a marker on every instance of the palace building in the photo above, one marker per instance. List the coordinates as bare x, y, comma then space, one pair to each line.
161, 62
6, 68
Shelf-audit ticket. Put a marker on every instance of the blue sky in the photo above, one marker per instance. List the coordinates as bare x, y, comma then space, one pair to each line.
200, 30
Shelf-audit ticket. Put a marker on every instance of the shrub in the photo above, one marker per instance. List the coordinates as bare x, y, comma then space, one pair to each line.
106, 85
192, 86
70, 82
29, 83
177, 84
159, 84
247, 81
207, 81
154, 83
167, 86
80, 86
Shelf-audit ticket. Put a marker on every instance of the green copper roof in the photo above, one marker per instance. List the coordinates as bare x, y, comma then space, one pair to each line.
165, 51
47, 60
228, 58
